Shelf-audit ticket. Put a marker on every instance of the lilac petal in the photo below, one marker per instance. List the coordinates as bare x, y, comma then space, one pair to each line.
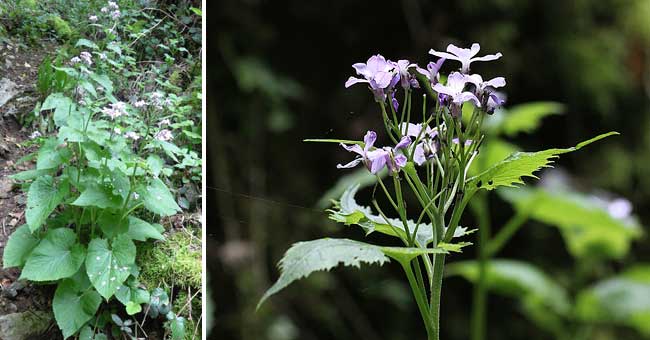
475, 48
353, 148
383, 79
404, 142
463, 53
400, 160
443, 89
377, 160
352, 164
443, 54
456, 81
410, 129
456, 141
359, 67
423, 72
475, 79
369, 139
488, 57
496, 82
352, 80
434, 68
418, 155
465, 97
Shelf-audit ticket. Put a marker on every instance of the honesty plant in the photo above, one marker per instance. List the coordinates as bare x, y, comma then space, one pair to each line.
432, 155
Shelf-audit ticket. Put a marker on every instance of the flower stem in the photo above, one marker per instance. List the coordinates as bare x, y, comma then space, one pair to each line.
420, 299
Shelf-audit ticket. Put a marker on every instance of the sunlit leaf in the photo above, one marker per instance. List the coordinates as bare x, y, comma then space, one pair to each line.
513, 169
304, 258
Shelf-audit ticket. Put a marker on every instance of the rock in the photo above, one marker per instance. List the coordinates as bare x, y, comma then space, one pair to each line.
25, 325
8, 89
6, 186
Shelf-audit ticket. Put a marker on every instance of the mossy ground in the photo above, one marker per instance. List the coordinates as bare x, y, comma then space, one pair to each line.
175, 261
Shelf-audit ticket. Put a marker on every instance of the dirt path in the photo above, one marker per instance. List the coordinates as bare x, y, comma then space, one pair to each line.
18, 74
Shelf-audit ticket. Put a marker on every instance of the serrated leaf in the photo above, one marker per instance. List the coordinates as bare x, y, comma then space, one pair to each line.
18, 247
585, 223
141, 230
304, 258
348, 212
42, 198
74, 305
158, 199
513, 169
621, 300
453, 247
57, 256
108, 267
516, 279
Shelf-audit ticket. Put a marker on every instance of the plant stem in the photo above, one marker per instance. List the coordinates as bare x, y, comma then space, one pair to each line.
438, 269
480, 205
420, 299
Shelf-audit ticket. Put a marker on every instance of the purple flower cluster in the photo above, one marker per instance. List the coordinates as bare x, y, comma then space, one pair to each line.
419, 142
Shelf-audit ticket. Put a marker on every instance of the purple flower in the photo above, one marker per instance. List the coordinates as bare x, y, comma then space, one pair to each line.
494, 100
164, 135
464, 55
457, 141
115, 110
481, 85
433, 71
428, 145
86, 57
93, 18
454, 89
378, 73
407, 80
375, 160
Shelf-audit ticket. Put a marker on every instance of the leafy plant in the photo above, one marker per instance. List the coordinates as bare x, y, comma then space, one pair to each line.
433, 162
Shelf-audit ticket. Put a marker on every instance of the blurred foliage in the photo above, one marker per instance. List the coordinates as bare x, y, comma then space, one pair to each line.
279, 79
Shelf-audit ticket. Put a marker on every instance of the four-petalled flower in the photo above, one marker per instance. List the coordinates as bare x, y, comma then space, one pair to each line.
466, 56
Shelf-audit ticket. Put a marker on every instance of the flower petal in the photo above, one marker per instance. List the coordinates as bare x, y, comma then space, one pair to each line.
496, 82
352, 164
369, 140
404, 142
488, 57
353, 148
352, 80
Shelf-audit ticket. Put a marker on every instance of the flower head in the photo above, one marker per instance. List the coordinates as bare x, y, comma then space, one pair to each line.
164, 135
115, 110
116, 14
378, 73
132, 135
407, 80
378, 158
164, 122
428, 144
35, 134
93, 18
75, 60
464, 55
86, 57
140, 103
454, 89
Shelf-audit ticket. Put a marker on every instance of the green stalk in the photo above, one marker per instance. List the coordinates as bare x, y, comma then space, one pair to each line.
420, 299
479, 322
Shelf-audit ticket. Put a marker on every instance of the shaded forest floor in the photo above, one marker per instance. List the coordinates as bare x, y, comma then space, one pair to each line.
18, 74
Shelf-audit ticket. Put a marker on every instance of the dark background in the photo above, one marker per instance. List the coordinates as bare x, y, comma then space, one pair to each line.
276, 71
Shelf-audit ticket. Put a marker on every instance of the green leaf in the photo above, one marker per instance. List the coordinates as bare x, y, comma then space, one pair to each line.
348, 212
50, 155
158, 199
511, 170
523, 117
516, 279
108, 267
18, 247
585, 223
177, 326
42, 198
57, 256
620, 300
74, 305
104, 81
133, 308
29, 175
86, 43
303, 258
100, 196
141, 230
112, 224
155, 164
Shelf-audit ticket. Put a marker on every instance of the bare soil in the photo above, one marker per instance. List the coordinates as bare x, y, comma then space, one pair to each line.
20, 65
